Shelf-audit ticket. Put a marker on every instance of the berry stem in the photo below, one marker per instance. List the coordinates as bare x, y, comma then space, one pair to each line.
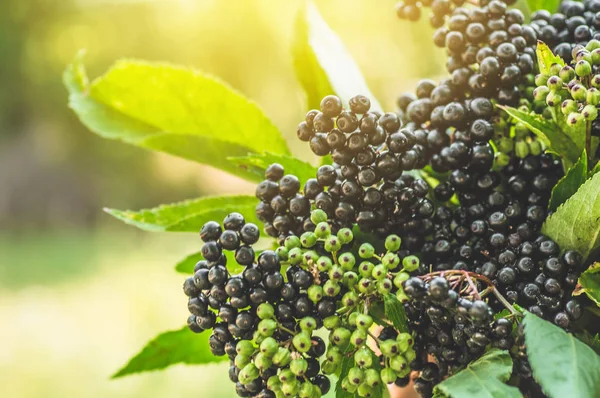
280, 326
588, 141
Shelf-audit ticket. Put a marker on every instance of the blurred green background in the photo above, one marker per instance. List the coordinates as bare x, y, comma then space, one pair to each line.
80, 292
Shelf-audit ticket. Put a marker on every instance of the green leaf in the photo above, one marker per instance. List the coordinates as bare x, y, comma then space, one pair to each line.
347, 364
544, 55
186, 266
171, 109
483, 378
256, 164
561, 364
576, 223
394, 311
570, 183
323, 65
592, 341
170, 348
576, 133
547, 131
589, 283
595, 169
189, 215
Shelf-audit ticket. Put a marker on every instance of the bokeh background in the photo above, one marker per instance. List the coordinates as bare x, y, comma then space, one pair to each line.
80, 292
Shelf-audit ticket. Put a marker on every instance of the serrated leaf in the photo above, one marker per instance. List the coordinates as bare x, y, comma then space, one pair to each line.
576, 223
171, 109
549, 132
592, 341
575, 132
561, 364
595, 169
347, 364
589, 283
570, 183
189, 215
483, 378
323, 65
394, 311
256, 164
170, 348
545, 56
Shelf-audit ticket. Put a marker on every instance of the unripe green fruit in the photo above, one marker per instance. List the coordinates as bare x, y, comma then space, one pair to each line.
535, 147
286, 376
568, 106
384, 286
364, 390
555, 69
592, 45
242, 360
554, 83
334, 355
301, 342
521, 149
405, 342
273, 383
248, 374
506, 145
574, 118
364, 357
341, 336
500, 160
282, 253
318, 216
593, 96
590, 112
411, 263
372, 378
328, 367
262, 362
269, 346
350, 299
400, 278
365, 285
566, 74
322, 230
332, 244
410, 355
345, 235
282, 358
392, 243
358, 337
401, 296
365, 269
405, 372
352, 318
350, 278
336, 273
388, 376
310, 257
324, 264
308, 239
298, 366
553, 98
315, 293
578, 92
291, 388
295, 256
595, 80
379, 272
291, 242
348, 387
308, 324
540, 80
267, 327
398, 363
332, 322
391, 260
583, 68
306, 390
356, 375
521, 130
364, 321
245, 347
389, 348
331, 288
540, 93
366, 250
347, 261
265, 311
596, 57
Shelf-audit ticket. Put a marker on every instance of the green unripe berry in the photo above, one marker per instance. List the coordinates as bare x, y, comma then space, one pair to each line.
555, 69
535, 147
574, 118
242, 360
332, 322
318, 216
308, 324
269, 346
590, 112
365, 269
262, 361
540, 93
324, 264
521, 130
398, 363
291, 242
306, 390
372, 378
592, 45
295, 256
384, 286
341, 337
388, 376
282, 253
501, 159
506, 145
553, 98
347, 386
273, 383
310, 257
596, 57
595, 80
379, 272
257, 337
352, 317
345, 235
334, 355
267, 327
364, 321
282, 358
328, 367
248, 374
405, 372
347, 261
541, 79
356, 375
583, 68
410, 355
315, 293
391, 260
358, 337
521, 149
400, 278
336, 273
392, 243
578, 92
308, 239
298, 366
554, 83
405, 341
331, 288
566, 74
411, 263
593, 96
350, 278
322, 230
287, 376
265, 311
568, 106
365, 285
245, 347
401, 296
301, 342
350, 299
332, 244
364, 357
389, 348
291, 388
366, 250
